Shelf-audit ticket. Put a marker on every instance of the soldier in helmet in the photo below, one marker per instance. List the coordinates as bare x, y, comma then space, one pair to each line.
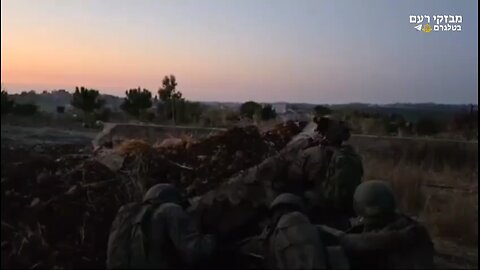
330, 172
289, 241
169, 238
384, 238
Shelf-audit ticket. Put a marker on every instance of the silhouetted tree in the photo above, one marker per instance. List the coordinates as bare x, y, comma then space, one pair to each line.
136, 101
87, 100
103, 114
188, 112
427, 126
168, 88
27, 109
268, 112
322, 110
465, 123
393, 122
250, 108
7, 103
170, 97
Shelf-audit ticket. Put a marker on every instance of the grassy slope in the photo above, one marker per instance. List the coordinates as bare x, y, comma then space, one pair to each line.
436, 182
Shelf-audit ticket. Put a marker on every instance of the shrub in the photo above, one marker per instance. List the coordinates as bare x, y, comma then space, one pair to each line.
428, 126
322, 110
7, 103
27, 109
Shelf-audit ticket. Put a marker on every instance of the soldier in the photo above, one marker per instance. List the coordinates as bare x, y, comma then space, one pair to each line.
384, 239
330, 172
157, 233
290, 241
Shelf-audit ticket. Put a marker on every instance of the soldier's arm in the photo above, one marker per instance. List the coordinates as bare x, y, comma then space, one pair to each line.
379, 241
345, 177
189, 242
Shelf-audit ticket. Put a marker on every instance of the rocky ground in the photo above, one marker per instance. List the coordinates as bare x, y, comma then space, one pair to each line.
59, 199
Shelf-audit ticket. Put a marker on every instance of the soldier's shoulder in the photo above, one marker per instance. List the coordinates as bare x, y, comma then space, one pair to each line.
168, 209
312, 150
348, 150
346, 154
292, 219
416, 231
403, 221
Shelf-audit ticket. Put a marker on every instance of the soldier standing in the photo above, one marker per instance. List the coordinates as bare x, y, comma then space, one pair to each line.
329, 172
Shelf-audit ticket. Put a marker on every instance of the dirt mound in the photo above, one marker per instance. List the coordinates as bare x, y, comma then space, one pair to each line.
57, 210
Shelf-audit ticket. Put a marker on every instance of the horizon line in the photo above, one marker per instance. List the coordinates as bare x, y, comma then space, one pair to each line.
40, 92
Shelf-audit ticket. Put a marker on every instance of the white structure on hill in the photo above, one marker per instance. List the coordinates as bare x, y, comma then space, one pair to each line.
280, 108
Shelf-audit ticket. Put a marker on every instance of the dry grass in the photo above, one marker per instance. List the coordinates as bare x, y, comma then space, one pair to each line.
134, 147
184, 140
435, 182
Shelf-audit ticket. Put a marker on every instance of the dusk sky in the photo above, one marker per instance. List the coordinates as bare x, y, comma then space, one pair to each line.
334, 51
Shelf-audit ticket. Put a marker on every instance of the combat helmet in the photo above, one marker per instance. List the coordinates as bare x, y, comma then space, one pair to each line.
374, 199
287, 199
164, 193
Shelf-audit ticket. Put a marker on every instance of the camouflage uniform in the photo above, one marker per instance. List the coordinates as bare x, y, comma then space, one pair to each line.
396, 242
173, 240
292, 241
330, 173
385, 239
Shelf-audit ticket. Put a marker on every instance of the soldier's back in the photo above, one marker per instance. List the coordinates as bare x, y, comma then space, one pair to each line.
403, 243
295, 244
417, 251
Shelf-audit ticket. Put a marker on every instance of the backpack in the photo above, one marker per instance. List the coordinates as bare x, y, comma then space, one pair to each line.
126, 241
344, 174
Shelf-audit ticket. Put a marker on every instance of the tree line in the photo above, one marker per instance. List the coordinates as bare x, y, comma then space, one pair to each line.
168, 104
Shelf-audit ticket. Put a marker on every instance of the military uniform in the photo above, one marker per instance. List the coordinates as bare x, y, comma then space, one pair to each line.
295, 244
334, 173
329, 174
396, 242
384, 239
290, 241
173, 239
165, 237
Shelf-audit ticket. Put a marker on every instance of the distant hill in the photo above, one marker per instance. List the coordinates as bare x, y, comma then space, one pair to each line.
48, 101
410, 111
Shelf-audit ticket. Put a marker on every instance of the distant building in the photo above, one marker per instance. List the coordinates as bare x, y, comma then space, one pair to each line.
292, 115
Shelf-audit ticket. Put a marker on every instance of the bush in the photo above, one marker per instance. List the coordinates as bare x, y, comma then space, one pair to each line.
428, 126
268, 113
27, 109
60, 109
147, 115
250, 108
7, 103
322, 110
86, 99
103, 114
372, 126
136, 101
